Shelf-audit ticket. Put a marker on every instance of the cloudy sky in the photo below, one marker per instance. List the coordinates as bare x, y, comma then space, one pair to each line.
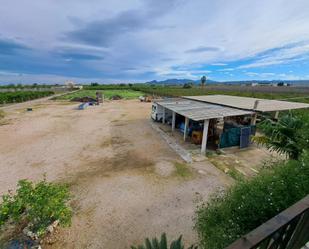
137, 40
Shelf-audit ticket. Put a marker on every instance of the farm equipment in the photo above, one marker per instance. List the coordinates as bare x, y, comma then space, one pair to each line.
145, 98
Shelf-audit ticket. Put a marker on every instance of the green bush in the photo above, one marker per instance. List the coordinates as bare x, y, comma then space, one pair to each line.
162, 244
250, 203
290, 135
39, 204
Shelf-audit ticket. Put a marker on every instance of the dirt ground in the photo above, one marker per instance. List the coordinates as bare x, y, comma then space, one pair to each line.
121, 172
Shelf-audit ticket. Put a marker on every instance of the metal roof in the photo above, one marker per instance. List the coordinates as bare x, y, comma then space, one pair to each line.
198, 111
263, 105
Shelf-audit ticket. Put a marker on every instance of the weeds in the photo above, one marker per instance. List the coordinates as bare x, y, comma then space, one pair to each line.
182, 170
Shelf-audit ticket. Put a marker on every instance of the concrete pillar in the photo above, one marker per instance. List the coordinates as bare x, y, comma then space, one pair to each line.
276, 115
205, 136
185, 129
173, 121
253, 119
163, 119
256, 103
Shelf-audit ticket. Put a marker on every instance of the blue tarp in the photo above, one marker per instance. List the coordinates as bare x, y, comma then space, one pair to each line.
231, 136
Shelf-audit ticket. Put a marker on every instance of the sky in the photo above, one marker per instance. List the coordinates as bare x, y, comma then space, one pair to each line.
50, 41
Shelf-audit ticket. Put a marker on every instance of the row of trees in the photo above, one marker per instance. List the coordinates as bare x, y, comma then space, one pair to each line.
16, 97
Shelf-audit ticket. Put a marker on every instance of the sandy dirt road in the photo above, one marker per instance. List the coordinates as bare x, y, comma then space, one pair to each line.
120, 171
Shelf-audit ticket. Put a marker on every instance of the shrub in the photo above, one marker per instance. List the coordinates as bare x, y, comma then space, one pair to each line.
39, 204
290, 135
162, 244
250, 203
187, 85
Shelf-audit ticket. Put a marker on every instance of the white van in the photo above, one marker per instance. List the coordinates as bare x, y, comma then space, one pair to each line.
157, 113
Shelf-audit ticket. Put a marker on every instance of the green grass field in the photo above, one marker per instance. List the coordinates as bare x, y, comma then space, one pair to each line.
126, 94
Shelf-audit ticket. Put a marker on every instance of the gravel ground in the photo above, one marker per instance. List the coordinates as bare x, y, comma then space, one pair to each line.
120, 171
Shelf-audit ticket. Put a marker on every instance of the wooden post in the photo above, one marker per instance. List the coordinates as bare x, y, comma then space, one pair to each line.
173, 121
205, 136
185, 129
163, 118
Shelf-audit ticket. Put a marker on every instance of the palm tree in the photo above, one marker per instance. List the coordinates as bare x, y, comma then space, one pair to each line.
203, 81
290, 135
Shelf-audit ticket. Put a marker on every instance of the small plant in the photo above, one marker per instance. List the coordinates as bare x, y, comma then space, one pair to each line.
162, 244
38, 204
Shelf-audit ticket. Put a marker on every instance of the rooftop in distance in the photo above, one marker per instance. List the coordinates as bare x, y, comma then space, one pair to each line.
262, 105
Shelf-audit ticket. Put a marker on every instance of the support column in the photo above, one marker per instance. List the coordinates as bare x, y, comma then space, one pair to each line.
205, 136
276, 115
253, 119
163, 118
173, 121
185, 129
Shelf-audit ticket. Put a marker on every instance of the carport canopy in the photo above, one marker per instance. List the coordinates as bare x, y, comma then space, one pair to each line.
247, 103
198, 111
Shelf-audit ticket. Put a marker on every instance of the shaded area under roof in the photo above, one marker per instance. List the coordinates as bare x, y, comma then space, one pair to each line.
264, 105
198, 111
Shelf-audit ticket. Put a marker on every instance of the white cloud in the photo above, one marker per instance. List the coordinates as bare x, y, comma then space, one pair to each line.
160, 38
219, 64
16, 78
273, 76
294, 53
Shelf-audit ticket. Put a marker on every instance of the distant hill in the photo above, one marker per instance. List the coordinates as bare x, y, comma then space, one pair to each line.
179, 82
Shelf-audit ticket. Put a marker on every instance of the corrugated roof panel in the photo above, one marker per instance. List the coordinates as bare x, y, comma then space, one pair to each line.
263, 105
197, 111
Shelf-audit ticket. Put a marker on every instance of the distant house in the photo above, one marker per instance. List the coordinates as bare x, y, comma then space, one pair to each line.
260, 84
275, 84
283, 84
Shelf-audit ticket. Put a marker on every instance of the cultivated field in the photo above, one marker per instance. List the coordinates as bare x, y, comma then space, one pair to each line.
125, 94
301, 93
16, 97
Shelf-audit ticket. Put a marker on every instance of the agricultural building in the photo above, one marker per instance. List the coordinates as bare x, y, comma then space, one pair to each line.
217, 121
